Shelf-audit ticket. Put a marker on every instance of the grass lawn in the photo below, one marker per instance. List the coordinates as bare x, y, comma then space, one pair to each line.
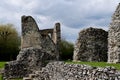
0, 77
2, 64
97, 64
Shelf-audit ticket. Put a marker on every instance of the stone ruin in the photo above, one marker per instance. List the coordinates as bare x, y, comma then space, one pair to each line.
91, 45
40, 46
37, 48
47, 39
63, 71
114, 38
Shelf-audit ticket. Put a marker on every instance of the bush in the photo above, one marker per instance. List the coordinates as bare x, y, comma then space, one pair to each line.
66, 50
9, 42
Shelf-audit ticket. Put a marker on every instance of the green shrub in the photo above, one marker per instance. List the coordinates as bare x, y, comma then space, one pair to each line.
9, 42
66, 49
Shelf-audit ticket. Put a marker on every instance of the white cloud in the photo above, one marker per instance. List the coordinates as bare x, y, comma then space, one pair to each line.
74, 15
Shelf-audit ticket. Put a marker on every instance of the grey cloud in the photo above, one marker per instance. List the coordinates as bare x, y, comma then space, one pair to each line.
79, 13
73, 14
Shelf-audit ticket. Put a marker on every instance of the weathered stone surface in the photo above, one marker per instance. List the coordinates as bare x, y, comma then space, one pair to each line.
33, 37
64, 71
114, 38
34, 57
56, 37
37, 47
91, 45
28, 61
15, 69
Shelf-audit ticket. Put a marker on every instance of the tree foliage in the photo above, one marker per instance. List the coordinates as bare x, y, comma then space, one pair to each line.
66, 49
9, 42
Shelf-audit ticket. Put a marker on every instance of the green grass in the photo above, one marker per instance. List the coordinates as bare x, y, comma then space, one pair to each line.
97, 64
0, 77
2, 64
94, 64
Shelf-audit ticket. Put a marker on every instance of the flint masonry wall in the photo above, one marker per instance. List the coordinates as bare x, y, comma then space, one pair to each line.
91, 45
114, 38
37, 48
28, 61
65, 71
47, 39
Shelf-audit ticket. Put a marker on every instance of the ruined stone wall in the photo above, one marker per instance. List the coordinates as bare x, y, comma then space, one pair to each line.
28, 61
55, 35
47, 39
114, 38
91, 45
64, 71
30, 33
37, 48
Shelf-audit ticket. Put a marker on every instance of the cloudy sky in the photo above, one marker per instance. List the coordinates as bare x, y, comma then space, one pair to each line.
74, 15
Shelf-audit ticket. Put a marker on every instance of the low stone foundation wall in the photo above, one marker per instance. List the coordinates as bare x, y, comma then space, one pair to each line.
63, 71
28, 61
15, 69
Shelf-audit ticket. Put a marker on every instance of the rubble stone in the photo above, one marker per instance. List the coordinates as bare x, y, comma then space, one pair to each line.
28, 61
63, 71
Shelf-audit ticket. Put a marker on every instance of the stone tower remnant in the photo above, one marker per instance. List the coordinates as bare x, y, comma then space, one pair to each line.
91, 45
114, 38
37, 48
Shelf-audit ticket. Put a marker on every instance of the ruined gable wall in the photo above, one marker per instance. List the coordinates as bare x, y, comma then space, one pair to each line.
30, 33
